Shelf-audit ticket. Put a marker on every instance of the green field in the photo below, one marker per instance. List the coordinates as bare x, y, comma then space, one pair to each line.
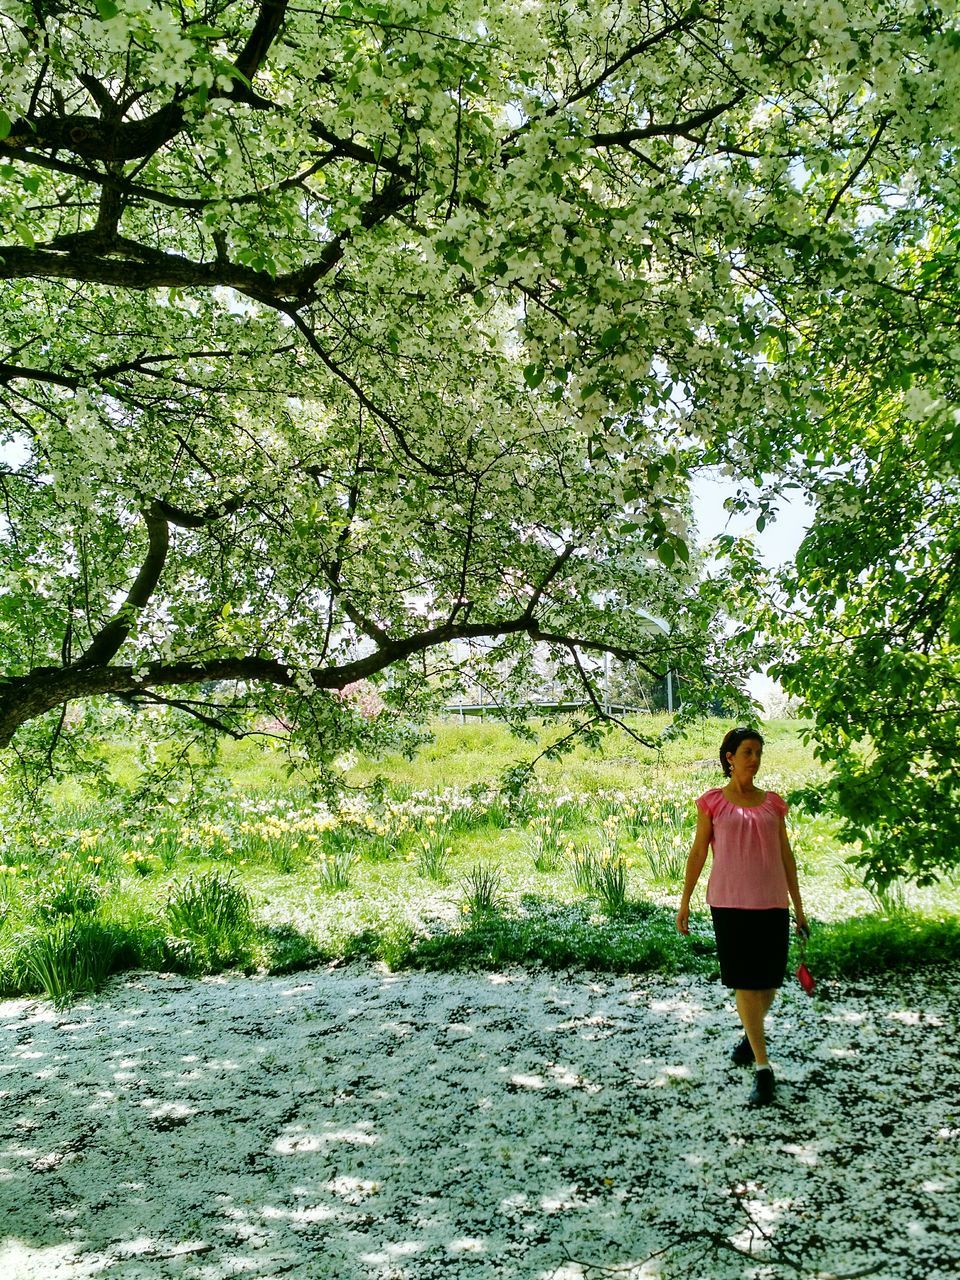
450, 859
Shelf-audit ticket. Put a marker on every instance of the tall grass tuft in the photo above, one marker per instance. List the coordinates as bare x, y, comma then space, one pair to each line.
213, 915
889, 899
584, 869
434, 854
67, 891
547, 842
482, 886
611, 885
665, 854
71, 956
334, 869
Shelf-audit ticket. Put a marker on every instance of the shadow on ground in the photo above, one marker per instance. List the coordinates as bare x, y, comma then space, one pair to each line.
371, 1126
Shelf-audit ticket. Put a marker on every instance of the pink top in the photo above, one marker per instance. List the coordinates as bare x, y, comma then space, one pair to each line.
747, 869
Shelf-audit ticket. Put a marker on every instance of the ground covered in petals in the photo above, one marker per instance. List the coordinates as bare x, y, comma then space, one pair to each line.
353, 1124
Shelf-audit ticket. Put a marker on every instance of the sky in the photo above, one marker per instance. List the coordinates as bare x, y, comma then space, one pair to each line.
779, 540
777, 543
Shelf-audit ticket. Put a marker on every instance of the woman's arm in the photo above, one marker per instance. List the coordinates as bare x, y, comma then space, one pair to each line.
790, 869
695, 861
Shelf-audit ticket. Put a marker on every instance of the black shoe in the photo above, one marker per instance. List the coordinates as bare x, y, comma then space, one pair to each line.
742, 1053
763, 1085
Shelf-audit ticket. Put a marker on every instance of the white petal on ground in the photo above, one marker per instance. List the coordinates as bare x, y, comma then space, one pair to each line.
357, 1125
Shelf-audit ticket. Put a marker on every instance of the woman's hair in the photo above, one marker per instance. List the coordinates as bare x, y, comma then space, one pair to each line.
731, 743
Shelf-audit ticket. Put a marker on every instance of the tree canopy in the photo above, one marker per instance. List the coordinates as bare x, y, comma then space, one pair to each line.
336, 333
867, 620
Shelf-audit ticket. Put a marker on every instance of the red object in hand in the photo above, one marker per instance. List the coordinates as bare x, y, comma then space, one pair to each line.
806, 980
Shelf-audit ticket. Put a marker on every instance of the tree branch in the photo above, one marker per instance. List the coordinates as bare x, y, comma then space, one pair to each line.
111, 637
674, 129
23, 698
864, 161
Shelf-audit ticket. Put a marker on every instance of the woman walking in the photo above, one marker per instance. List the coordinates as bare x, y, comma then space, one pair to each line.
752, 876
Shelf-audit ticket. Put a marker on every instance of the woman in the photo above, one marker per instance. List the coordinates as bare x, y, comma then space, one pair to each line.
752, 876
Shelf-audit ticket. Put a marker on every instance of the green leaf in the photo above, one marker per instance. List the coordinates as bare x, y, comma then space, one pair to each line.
533, 375
6, 124
106, 9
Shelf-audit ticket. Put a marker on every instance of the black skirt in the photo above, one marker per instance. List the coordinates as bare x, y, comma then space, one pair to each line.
752, 947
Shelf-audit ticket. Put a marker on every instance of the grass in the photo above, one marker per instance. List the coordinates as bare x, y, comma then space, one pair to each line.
581, 868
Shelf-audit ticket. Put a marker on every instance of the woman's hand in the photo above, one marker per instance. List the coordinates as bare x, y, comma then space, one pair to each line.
802, 927
683, 918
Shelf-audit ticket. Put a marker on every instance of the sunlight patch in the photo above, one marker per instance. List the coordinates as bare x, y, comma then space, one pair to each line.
467, 1244
301, 1144
528, 1082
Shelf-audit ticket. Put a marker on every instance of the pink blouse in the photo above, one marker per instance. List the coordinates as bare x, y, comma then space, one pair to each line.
747, 869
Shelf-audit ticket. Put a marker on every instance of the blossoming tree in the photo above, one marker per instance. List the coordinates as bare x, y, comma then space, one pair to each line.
337, 333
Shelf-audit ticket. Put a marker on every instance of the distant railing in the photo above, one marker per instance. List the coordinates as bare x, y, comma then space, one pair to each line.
480, 709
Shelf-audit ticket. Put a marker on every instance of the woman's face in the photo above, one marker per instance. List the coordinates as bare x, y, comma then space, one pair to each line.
745, 761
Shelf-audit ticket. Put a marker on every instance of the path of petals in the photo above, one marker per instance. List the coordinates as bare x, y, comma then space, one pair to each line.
357, 1125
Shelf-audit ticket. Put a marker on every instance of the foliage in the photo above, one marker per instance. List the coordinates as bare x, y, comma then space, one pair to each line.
560, 936
227, 855
68, 890
875, 944
584, 868
547, 842
338, 335
869, 623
